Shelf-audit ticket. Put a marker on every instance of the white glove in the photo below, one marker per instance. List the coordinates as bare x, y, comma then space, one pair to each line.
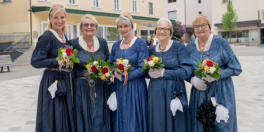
221, 113
175, 105
53, 88
209, 79
118, 76
112, 102
156, 73
198, 83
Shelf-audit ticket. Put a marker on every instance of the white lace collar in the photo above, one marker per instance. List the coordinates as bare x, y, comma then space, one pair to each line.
83, 44
167, 47
57, 35
131, 43
207, 45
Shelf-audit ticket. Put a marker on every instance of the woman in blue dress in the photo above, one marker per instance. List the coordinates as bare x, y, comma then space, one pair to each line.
55, 107
167, 99
92, 113
208, 46
131, 93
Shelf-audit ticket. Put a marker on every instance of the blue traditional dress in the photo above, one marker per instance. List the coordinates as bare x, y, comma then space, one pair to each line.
162, 90
92, 113
131, 113
53, 115
219, 50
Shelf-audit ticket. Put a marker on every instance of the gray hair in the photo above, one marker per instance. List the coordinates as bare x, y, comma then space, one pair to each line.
165, 20
125, 20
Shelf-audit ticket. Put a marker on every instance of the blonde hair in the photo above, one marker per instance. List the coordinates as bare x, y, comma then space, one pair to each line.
125, 18
165, 20
88, 16
202, 17
55, 9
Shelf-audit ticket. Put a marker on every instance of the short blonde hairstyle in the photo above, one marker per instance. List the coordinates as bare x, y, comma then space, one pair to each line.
88, 16
165, 20
202, 17
55, 9
125, 18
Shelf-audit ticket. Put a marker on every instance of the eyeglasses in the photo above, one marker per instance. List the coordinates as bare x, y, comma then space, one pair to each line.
92, 25
163, 29
202, 26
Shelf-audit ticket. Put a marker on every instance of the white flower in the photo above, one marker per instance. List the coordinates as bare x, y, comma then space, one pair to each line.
95, 63
125, 62
107, 74
151, 63
64, 55
212, 70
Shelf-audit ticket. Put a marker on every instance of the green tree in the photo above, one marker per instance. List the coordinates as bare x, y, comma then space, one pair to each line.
229, 19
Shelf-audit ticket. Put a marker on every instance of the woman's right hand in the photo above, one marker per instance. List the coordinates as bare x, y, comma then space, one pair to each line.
198, 83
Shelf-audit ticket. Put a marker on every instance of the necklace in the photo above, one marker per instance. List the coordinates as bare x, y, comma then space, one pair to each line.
201, 47
162, 49
62, 37
126, 42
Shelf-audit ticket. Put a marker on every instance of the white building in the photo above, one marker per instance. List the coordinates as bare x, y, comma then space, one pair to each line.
185, 11
250, 14
250, 23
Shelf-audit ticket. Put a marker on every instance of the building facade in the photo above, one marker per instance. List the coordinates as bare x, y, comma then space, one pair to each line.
145, 14
250, 23
185, 12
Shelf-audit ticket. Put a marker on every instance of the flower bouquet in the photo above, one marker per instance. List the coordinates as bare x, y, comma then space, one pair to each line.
122, 67
208, 68
98, 69
67, 57
152, 62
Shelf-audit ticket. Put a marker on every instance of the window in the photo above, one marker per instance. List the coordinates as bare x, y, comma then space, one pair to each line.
69, 32
44, 0
224, 1
76, 31
172, 15
72, 2
6, 1
134, 3
262, 14
199, 1
144, 34
44, 26
150, 8
96, 3
170, 1
117, 4
199, 12
111, 34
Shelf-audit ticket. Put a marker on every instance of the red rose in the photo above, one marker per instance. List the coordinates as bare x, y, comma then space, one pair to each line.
69, 51
120, 67
94, 69
104, 70
210, 63
149, 59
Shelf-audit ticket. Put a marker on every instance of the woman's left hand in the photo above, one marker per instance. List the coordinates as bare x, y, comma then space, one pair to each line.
156, 73
209, 79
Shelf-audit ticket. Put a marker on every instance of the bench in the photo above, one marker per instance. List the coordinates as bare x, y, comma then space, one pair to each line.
5, 61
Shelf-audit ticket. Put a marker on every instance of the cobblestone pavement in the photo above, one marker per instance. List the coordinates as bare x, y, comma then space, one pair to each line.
19, 90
